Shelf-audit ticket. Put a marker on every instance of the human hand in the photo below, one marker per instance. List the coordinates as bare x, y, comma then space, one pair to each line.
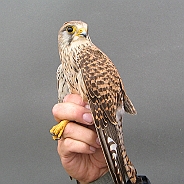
79, 147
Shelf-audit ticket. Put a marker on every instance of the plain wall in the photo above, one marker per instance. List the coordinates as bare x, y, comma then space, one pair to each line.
145, 41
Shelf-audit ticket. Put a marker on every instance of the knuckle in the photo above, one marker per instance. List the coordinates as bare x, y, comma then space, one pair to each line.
68, 130
68, 143
67, 98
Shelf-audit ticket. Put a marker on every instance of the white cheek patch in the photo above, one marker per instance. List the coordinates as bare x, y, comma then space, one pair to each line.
67, 38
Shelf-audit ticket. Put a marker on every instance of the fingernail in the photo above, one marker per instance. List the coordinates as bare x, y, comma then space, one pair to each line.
87, 106
87, 117
92, 148
97, 141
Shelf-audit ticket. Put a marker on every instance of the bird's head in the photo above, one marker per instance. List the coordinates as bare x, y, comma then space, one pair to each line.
73, 31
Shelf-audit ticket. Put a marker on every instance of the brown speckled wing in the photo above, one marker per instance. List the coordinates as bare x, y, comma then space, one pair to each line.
103, 83
105, 93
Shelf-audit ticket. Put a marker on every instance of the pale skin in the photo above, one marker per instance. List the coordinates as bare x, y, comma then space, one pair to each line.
79, 147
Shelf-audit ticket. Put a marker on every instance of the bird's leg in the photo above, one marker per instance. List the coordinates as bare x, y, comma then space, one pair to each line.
58, 129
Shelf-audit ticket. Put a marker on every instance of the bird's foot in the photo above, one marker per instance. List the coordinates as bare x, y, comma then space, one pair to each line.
58, 129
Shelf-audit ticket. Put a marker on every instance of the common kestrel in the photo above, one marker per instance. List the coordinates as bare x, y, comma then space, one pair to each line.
87, 71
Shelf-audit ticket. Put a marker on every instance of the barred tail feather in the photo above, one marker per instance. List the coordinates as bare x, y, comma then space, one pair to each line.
111, 163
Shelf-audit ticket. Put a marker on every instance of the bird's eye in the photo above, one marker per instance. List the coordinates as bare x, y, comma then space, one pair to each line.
70, 29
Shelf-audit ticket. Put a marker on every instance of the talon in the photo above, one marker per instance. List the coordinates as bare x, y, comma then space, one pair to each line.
54, 137
58, 129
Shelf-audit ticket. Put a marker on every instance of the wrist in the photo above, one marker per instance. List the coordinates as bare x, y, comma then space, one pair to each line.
105, 179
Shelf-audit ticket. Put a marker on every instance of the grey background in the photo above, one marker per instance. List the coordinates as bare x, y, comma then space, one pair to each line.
145, 41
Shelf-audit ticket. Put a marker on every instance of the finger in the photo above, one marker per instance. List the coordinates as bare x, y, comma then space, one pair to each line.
72, 112
74, 98
82, 134
68, 146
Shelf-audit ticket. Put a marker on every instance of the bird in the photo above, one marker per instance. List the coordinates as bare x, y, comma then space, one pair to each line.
87, 71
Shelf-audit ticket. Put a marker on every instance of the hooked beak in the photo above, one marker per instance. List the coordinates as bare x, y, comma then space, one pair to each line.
82, 32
